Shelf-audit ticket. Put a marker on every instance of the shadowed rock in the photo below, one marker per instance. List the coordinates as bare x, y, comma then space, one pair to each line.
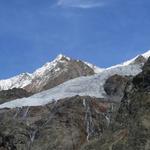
8, 95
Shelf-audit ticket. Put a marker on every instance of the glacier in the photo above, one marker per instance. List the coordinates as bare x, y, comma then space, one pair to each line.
83, 86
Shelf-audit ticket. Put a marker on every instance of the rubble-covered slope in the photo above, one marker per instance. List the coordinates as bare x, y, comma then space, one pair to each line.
64, 125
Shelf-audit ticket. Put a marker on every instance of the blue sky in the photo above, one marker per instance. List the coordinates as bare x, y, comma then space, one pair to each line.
103, 32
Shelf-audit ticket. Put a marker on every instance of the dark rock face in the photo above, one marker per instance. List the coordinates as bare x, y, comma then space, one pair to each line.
69, 70
6, 142
130, 130
142, 81
7, 95
64, 125
140, 60
115, 87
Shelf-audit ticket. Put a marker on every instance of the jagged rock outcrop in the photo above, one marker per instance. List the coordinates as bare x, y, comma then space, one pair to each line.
140, 60
65, 69
131, 127
8, 95
115, 86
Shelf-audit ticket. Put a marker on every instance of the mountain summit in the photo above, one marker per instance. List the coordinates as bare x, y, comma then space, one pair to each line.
50, 75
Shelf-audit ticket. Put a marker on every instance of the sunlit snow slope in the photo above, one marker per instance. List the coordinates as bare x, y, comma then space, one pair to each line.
83, 86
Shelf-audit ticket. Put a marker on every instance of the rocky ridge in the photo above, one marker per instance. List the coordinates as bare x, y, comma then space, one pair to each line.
50, 75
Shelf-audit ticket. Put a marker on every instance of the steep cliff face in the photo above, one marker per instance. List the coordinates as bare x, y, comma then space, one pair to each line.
131, 127
115, 87
64, 125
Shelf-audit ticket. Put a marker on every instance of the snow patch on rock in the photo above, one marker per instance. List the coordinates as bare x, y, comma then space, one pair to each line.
95, 68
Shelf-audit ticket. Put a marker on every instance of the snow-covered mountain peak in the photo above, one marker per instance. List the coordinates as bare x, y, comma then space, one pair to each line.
16, 82
146, 54
53, 65
60, 66
83, 86
136, 60
48, 72
26, 74
61, 57
45, 67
